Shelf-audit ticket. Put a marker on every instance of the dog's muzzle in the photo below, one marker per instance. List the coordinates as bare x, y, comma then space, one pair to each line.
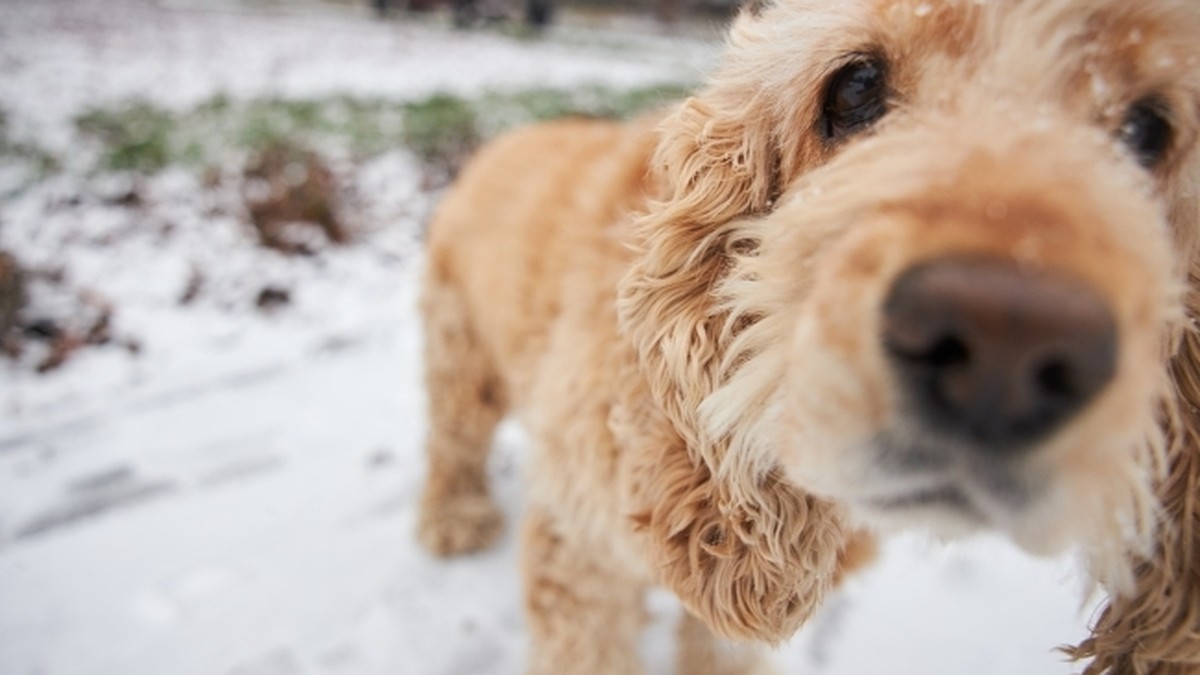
992, 357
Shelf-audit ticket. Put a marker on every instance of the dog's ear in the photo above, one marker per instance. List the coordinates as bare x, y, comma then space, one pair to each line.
752, 566
1156, 627
717, 157
723, 156
715, 162
751, 555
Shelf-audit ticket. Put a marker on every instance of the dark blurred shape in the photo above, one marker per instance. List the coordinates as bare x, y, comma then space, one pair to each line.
42, 329
195, 285
272, 297
78, 318
422, 5
291, 196
13, 297
90, 326
668, 11
539, 13
467, 13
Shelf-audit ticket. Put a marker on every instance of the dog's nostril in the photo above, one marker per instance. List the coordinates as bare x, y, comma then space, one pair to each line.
948, 351
933, 352
1054, 377
994, 354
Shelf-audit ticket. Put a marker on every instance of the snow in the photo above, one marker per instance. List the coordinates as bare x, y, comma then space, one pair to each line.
237, 498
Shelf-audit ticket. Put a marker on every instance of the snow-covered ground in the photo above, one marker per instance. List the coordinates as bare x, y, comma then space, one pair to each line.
237, 496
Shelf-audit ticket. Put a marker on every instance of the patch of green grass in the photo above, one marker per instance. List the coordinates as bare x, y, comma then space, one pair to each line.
137, 136
369, 126
144, 138
440, 129
504, 111
272, 121
632, 102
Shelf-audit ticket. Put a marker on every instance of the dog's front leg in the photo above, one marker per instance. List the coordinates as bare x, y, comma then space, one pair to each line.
584, 616
701, 652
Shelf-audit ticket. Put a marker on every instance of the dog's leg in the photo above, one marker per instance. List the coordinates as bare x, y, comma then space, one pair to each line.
466, 401
584, 618
703, 653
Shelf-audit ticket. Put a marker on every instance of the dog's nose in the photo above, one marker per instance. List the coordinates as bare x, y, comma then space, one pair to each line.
994, 354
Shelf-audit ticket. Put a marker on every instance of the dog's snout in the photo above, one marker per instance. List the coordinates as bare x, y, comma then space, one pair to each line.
990, 353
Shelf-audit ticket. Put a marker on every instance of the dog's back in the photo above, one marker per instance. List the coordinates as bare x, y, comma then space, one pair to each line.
516, 223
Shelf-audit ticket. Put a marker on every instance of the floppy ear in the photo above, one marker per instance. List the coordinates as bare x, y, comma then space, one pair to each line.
723, 155
715, 162
751, 555
1156, 628
750, 567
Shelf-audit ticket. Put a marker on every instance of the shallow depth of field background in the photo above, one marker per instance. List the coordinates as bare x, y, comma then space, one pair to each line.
211, 417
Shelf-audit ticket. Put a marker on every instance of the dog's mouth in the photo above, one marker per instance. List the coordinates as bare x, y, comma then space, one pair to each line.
946, 496
948, 504
922, 482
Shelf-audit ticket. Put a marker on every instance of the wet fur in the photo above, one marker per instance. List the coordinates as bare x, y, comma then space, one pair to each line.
682, 312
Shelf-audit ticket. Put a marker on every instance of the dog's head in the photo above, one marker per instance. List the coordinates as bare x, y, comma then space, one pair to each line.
930, 259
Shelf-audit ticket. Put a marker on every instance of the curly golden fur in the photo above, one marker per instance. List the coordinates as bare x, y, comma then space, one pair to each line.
685, 312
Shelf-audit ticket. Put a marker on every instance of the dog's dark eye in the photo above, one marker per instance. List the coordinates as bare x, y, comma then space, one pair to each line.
856, 97
1147, 132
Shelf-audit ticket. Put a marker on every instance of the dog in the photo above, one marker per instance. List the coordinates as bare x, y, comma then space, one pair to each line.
898, 264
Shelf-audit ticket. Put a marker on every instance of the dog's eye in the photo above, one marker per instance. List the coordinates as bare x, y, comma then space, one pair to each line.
856, 97
1147, 132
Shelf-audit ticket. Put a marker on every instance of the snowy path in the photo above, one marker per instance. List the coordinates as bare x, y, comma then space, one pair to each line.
238, 499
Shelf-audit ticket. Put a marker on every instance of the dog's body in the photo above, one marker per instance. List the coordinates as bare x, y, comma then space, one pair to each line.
891, 269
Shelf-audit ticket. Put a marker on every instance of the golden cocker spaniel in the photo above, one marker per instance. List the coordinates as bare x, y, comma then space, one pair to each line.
900, 263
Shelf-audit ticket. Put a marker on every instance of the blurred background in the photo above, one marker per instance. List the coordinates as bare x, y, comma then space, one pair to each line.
211, 216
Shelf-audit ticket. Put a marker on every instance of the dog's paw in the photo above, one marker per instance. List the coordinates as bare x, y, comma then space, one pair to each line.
450, 526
